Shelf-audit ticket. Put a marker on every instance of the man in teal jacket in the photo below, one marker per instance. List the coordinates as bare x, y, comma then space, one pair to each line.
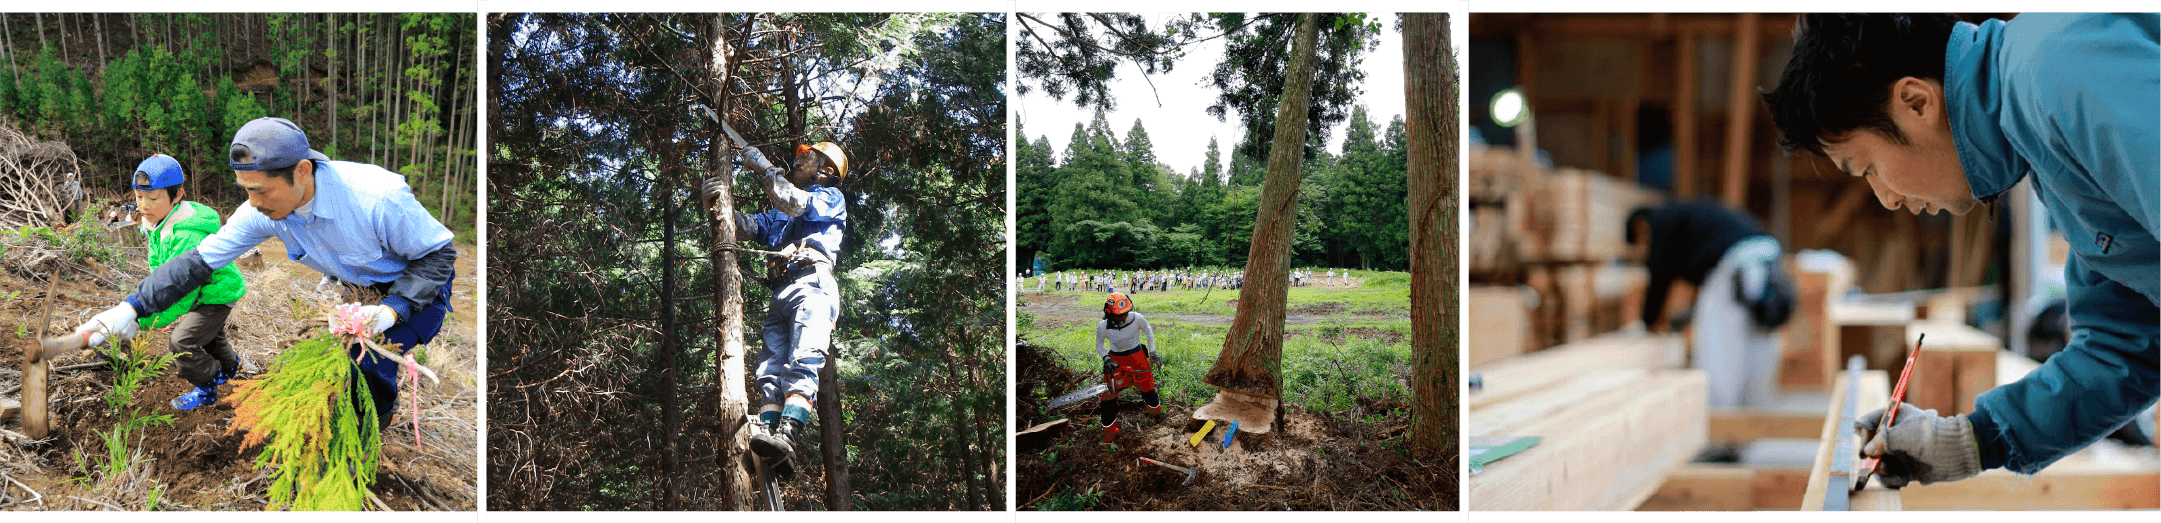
1942, 115
172, 226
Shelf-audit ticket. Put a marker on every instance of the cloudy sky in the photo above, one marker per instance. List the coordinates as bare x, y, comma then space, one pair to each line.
1180, 126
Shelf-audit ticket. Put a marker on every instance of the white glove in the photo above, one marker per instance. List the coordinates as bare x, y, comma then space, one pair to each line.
117, 324
379, 317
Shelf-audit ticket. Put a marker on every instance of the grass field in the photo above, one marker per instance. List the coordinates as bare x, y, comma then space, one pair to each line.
1352, 346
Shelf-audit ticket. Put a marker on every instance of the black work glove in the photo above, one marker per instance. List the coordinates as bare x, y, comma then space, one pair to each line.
1920, 446
1109, 366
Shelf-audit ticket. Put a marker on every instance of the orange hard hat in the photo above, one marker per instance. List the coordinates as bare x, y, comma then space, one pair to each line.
1118, 303
832, 153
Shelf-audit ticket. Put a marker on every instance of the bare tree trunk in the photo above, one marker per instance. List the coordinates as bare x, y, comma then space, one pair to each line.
331, 60
994, 496
727, 291
1252, 354
1429, 70
42, 44
671, 460
97, 21
832, 423
9, 47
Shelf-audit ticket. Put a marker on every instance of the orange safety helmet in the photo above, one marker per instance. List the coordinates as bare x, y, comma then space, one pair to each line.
832, 153
1118, 303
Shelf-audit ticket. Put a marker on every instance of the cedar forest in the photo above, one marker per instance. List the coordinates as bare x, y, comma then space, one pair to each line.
386, 89
617, 367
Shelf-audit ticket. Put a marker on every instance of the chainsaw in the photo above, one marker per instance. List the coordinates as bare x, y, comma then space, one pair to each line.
1124, 378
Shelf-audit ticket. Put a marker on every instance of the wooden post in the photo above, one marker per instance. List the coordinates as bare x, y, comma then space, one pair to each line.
1739, 108
1684, 115
1873, 391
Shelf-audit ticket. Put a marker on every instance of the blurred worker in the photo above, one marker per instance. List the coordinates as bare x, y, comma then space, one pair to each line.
808, 220
1742, 295
354, 221
1941, 115
1127, 362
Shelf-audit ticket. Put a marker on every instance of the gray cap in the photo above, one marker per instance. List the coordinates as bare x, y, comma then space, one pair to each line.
271, 143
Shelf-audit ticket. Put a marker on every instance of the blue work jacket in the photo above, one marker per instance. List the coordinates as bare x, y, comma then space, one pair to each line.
2070, 100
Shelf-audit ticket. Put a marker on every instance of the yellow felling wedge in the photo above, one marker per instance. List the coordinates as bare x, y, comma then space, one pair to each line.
1205, 428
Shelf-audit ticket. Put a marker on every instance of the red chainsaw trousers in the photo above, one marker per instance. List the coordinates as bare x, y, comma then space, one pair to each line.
1133, 371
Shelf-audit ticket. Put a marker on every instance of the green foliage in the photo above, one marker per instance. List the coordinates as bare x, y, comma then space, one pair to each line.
84, 240
316, 424
1074, 499
1106, 205
592, 220
178, 92
133, 366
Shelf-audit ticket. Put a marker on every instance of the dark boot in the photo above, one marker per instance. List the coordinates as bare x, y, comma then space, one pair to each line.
778, 445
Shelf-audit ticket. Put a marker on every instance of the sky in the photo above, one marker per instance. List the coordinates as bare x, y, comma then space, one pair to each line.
1180, 127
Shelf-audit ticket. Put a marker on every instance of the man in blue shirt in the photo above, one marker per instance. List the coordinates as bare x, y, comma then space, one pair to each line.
1941, 115
808, 219
355, 222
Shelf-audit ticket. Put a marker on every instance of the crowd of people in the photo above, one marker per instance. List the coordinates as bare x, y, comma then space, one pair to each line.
1167, 280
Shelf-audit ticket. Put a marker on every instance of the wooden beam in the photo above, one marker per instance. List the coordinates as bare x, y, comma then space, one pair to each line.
1698, 487
1538, 370
1810, 356
1873, 391
1834, 222
1740, 107
1502, 323
1684, 116
1741, 426
1957, 364
1608, 453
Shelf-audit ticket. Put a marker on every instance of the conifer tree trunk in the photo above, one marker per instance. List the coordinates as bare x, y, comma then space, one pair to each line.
727, 290
832, 422
1429, 70
1251, 360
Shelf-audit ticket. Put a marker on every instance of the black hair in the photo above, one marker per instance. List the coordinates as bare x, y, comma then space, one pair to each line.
1838, 79
1641, 214
143, 178
240, 153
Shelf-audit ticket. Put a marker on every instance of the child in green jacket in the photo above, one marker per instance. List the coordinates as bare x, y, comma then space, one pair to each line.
172, 226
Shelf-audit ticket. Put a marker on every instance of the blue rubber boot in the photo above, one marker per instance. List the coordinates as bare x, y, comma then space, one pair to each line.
200, 396
225, 374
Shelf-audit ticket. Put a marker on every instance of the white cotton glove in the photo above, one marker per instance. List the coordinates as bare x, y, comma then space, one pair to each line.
379, 317
115, 324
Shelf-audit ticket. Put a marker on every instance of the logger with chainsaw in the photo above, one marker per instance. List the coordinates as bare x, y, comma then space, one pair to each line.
805, 226
355, 222
1127, 362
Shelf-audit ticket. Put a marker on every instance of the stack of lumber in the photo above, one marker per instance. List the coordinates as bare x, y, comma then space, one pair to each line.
2105, 476
1557, 233
1613, 414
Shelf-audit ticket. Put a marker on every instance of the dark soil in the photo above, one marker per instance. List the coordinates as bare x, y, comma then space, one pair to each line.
195, 463
1315, 462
